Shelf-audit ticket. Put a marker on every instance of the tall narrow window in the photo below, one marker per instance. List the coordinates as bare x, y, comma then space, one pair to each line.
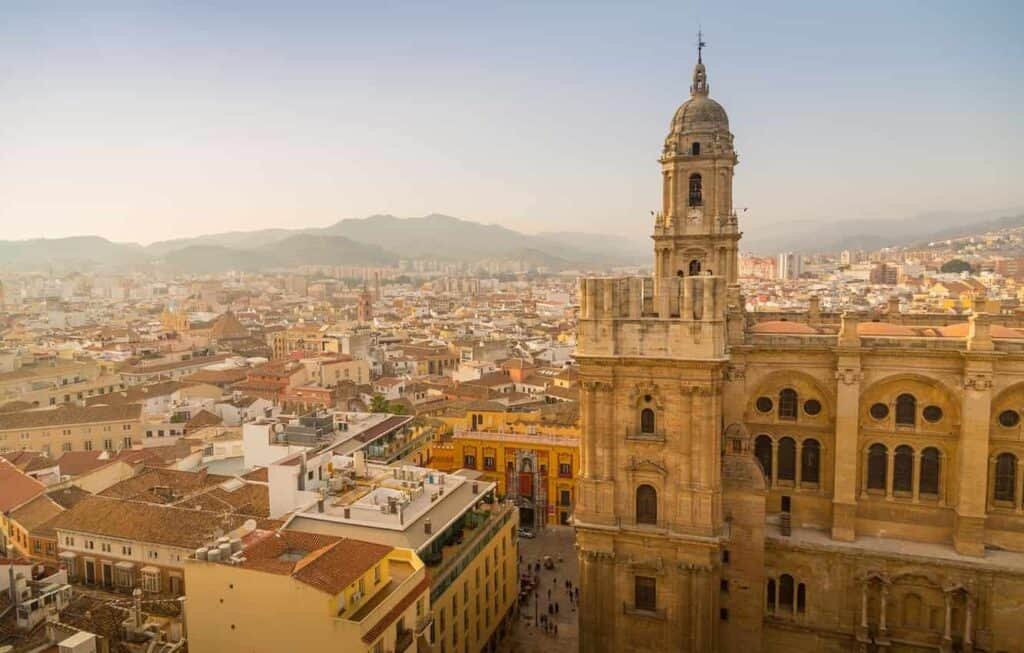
801, 598
787, 459
647, 421
1006, 477
696, 190
695, 149
786, 592
906, 410
694, 267
878, 463
903, 469
763, 452
787, 404
929, 481
770, 592
645, 593
810, 461
646, 505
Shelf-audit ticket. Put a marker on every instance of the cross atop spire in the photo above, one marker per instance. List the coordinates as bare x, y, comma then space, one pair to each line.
700, 44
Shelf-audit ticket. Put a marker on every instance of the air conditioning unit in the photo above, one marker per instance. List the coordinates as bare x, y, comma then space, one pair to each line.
357, 597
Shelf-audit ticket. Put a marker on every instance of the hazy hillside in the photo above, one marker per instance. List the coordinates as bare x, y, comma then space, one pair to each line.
384, 239
823, 236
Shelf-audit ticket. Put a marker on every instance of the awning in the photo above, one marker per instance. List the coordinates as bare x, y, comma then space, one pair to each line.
124, 564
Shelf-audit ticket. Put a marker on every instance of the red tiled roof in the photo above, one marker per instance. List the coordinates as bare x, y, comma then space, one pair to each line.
783, 327
15, 487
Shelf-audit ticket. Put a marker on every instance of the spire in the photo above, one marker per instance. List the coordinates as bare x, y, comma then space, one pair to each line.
700, 77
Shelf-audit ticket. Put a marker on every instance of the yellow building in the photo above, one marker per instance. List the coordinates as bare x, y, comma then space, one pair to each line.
534, 457
71, 428
466, 538
288, 590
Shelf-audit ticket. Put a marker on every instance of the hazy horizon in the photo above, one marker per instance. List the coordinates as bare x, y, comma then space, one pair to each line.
140, 124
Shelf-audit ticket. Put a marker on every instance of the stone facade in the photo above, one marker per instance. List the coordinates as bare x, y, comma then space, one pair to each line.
803, 482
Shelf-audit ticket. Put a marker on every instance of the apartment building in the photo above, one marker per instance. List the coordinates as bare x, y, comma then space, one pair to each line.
71, 428
341, 594
120, 544
466, 538
55, 381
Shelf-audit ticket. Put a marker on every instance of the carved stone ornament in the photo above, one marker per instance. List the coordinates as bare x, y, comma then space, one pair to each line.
735, 373
646, 463
596, 386
849, 376
978, 382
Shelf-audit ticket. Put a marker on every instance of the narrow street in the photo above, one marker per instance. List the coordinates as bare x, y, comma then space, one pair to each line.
526, 636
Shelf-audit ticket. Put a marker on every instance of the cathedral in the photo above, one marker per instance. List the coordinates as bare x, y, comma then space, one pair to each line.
806, 481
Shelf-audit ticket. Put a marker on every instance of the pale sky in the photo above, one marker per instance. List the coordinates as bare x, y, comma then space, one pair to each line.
149, 120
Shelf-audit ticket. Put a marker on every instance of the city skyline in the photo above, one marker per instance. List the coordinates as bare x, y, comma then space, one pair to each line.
170, 122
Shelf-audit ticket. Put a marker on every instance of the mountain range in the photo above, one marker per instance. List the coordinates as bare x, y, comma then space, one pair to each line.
378, 240
382, 240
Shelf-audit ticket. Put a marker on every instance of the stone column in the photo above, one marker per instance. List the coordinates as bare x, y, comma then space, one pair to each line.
798, 467
947, 632
587, 424
775, 463
848, 379
969, 624
916, 481
881, 607
891, 458
1018, 482
607, 415
976, 404
864, 604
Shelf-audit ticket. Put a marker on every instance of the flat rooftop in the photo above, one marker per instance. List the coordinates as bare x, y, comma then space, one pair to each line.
371, 518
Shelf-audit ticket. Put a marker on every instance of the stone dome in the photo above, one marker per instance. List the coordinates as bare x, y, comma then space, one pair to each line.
699, 114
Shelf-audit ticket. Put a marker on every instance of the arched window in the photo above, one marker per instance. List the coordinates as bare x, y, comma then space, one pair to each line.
786, 592
696, 190
878, 463
810, 461
770, 598
1006, 477
787, 404
903, 469
526, 466
912, 610
787, 459
763, 452
694, 267
929, 481
906, 410
647, 421
646, 505
801, 599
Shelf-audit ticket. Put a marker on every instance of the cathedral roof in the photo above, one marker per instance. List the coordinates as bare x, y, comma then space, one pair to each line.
700, 113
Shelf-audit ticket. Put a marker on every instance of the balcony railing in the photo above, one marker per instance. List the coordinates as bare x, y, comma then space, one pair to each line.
404, 640
423, 622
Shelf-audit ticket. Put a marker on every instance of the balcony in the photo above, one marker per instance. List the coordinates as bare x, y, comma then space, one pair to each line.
404, 641
423, 622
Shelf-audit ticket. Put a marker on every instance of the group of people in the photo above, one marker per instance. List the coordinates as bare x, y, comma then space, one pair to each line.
549, 621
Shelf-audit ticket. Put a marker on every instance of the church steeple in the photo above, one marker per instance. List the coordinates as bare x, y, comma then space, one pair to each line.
700, 77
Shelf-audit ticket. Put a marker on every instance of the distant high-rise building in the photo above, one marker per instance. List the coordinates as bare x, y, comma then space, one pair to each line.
789, 265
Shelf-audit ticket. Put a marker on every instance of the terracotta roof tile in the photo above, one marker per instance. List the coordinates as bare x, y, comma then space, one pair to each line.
15, 487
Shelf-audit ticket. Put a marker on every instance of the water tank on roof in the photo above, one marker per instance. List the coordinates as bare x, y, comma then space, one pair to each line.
225, 551
213, 555
236, 545
201, 553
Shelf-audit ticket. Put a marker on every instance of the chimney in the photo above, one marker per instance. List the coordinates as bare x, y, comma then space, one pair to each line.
894, 307
814, 310
848, 329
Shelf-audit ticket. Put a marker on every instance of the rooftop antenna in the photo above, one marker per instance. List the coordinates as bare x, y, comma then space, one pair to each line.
700, 44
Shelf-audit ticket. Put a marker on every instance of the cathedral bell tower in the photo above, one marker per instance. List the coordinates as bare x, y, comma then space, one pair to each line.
651, 534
